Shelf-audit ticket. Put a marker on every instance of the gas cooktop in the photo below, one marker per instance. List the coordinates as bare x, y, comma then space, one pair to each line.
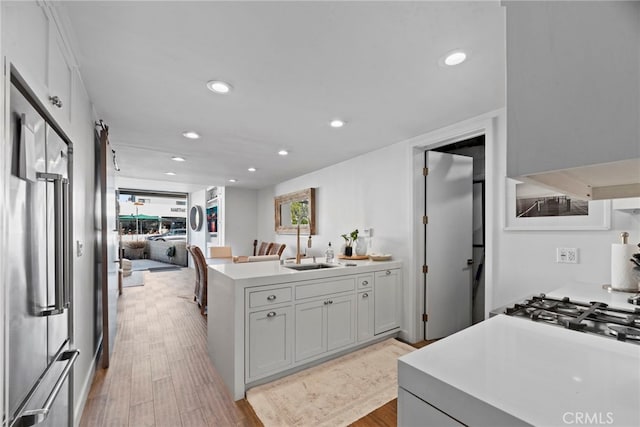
593, 317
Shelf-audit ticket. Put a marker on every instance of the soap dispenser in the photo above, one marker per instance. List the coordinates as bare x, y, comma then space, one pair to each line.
329, 256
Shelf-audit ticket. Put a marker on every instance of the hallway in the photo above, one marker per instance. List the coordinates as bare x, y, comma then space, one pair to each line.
160, 373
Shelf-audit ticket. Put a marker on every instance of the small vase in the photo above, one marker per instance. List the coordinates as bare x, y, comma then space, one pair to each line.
348, 251
361, 246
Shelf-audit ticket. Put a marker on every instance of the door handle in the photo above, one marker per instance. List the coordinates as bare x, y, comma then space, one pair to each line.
61, 269
66, 236
36, 416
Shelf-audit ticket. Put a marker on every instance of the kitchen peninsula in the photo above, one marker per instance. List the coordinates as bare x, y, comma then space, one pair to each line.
266, 320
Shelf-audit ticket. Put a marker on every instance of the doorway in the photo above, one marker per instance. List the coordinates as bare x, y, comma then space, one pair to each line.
473, 148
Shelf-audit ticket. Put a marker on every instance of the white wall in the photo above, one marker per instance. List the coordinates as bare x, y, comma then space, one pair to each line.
4, 187
369, 191
381, 190
14, 49
153, 185
238, 219
198, 238
83, 232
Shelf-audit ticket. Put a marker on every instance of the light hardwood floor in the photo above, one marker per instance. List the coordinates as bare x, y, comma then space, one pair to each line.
160, 373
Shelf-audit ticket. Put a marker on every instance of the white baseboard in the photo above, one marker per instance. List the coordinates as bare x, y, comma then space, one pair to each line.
86, 387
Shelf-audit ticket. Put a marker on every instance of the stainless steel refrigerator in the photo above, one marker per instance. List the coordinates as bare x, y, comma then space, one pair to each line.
39, 268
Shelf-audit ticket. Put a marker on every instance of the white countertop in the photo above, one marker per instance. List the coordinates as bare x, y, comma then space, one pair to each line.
535, 373
588, 293
258, 273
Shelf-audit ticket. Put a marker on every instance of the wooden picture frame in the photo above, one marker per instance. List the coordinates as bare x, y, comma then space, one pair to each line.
292, 205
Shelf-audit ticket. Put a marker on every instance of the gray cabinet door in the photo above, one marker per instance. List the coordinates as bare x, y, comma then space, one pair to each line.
270, 341
311, 334
386, 288
365, 315
341, 326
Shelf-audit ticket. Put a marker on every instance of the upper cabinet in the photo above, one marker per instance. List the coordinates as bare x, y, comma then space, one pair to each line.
37, 51
573, 96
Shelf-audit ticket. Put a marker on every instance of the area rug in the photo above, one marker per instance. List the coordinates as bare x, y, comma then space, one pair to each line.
148, 264
335, 393
136, 279
160, 269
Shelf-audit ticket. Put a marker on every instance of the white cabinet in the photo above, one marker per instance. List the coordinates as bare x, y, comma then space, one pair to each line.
38, 53
290, 324
310, 335
270, 339
26, 41
364, 307
568, 107
59, 82
413, 411
341, 325
365, 315
387, 292
324, 325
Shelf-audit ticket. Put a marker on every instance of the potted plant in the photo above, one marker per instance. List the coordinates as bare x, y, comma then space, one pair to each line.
349, 239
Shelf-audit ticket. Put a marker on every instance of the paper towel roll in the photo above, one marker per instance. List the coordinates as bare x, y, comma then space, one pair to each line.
623, 276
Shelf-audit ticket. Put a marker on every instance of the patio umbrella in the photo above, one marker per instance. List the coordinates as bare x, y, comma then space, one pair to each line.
139, 216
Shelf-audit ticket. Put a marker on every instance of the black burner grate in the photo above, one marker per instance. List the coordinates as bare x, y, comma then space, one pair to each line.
593, 317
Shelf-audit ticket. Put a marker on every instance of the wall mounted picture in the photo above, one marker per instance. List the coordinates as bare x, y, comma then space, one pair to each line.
212, 219
531, 207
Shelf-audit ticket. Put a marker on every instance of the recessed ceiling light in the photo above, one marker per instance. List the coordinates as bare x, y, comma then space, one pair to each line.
177, 159
455, 58
283, 152
233, 180
218, 86
252, 169
170, 173
191, 134
336, 123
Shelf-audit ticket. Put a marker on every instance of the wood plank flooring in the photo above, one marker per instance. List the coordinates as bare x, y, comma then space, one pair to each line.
160, 372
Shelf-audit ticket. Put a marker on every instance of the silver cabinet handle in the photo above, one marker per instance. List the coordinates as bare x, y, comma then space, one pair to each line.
330, 301
365, 295
36, 416
55, 101
271, 297
326, 302
59, 232
271, 314
387, 272
365, 282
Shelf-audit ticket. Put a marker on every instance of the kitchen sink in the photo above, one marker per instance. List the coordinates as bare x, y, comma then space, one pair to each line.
304, 267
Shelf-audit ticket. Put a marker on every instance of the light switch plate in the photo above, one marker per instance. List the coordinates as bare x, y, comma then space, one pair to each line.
79, 248
567, 255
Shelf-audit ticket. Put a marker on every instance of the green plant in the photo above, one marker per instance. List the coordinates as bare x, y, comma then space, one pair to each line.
350, 238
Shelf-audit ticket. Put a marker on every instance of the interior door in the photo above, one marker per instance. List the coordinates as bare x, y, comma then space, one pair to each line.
448, 243
109, 250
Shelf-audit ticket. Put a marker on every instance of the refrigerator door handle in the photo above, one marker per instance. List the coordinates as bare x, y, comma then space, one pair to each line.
59, 232
36, 416
65, 243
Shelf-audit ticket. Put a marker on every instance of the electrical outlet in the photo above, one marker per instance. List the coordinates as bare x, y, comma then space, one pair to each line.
567, 255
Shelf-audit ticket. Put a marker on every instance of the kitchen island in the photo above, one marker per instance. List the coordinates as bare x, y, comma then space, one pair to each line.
267, 320
510, 371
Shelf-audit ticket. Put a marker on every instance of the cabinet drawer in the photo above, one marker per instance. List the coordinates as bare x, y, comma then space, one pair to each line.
269, 297
325, 288
365, 281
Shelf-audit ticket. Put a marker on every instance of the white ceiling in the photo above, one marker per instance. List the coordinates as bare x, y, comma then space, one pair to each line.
293, 65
